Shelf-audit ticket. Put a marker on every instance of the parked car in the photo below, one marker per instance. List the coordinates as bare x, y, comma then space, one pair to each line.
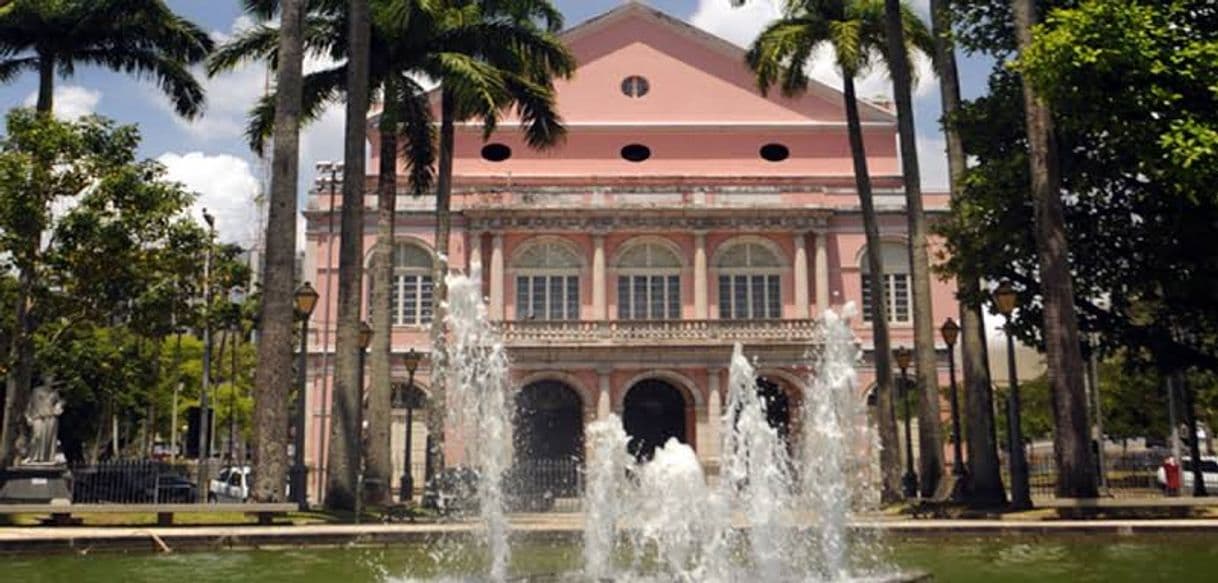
171, 489
1209, 473
232, 485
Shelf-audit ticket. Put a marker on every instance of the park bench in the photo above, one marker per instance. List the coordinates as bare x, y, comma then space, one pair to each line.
1090, 507
65, 514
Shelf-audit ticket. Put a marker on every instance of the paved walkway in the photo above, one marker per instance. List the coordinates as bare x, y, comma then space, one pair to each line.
80, 539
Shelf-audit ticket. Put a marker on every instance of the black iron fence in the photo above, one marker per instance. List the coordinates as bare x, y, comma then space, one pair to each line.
158, 482
544, 485
1128, 475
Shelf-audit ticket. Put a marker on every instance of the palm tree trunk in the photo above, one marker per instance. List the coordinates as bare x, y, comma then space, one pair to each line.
46, 84
1071, 443
890, 454
274, 372
380, 311
930, 425
984, 478
439, 342
347, 408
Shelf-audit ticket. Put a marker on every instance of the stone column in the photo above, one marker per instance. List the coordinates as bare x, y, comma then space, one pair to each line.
714, 414
475, 252
701, 307
603, 407
497, 275
600, 305
800, 270
822, 271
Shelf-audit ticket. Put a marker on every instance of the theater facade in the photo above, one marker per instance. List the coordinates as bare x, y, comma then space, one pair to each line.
684, 213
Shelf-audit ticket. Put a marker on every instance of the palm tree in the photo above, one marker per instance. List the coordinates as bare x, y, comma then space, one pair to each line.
495, 55
984, 479
346, 409
780, 56
1071, 443
904, 33
412, 38
140, 37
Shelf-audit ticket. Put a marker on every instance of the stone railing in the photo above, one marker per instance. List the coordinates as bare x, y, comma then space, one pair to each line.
658, 332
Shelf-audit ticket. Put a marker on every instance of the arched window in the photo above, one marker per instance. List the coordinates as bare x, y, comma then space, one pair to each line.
750, 284
412, 285
547, 282
895, 258
649, 283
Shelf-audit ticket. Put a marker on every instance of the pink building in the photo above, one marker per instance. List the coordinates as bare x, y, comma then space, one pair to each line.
685, 212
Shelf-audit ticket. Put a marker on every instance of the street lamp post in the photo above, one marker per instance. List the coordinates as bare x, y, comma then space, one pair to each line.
407, 400
951, 332
306, 300
205, 419
1005, 298
365, 339
909, 482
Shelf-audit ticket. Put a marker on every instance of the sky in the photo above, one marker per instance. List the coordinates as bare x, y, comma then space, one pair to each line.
209, 154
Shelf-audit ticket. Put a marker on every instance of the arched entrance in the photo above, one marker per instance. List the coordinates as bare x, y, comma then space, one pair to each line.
549, 422
652, 412
549, 444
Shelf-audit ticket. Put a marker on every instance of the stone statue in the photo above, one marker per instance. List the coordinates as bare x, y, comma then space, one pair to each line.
42, 415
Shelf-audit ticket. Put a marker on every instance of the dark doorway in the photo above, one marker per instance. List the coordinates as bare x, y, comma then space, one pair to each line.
549, 444
777, 406
652, 412
549, 422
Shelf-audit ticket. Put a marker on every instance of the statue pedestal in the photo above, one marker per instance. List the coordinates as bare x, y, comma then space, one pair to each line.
36, 484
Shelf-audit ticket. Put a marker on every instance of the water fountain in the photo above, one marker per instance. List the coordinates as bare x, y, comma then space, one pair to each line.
478, 406
777, 512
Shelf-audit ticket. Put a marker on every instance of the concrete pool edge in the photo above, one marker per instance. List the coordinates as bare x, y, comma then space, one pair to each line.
50, 540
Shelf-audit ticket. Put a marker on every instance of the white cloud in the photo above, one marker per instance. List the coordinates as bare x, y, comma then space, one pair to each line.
742, 25
70, 101
230, 95
226, 186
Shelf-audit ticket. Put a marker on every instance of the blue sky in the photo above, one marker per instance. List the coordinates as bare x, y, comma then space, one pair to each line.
209, 155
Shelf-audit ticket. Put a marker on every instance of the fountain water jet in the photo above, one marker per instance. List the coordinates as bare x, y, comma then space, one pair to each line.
479, 378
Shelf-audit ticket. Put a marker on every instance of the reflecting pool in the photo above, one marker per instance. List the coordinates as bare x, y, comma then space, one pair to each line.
950, 558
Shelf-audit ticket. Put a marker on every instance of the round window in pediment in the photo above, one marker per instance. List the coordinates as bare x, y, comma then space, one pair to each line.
775, 152
636, 153
635, 86
496, 152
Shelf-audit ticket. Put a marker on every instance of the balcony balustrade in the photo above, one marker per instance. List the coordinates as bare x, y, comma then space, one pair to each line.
523, 333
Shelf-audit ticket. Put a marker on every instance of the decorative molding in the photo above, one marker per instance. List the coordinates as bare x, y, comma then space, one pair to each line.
583, 221
531, 333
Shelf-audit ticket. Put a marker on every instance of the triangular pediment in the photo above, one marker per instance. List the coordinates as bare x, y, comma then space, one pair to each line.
693, 77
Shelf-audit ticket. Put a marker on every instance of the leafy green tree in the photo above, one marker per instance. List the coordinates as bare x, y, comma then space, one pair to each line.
855, 30
113, 276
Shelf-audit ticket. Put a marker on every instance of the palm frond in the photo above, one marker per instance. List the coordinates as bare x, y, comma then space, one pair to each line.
419, 148
10, 68
171, 76
538, 112
318, 89
778, 47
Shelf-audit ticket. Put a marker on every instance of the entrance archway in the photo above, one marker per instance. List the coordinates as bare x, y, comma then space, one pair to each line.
549, 422
653, 411
549, 445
